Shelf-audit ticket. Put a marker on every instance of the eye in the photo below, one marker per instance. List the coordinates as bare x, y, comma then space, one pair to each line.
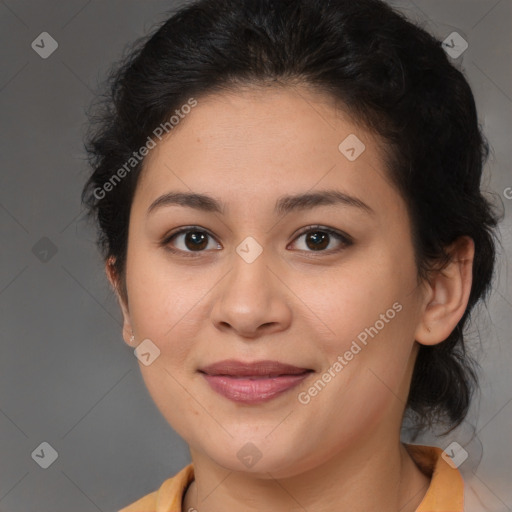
191, 239
318, 238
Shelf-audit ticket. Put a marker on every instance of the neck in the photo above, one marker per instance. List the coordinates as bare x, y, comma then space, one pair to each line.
372, 476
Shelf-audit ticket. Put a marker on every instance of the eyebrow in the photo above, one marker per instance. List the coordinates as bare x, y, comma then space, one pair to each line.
284, 204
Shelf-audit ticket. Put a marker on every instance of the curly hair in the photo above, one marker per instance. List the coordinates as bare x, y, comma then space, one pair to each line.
390, 75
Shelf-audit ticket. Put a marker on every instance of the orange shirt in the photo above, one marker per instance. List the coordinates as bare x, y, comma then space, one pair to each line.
445, 492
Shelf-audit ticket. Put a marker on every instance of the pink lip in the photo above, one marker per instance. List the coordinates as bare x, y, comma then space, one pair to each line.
254, 382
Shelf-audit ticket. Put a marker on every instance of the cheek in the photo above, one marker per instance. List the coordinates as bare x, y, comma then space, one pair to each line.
376, 372
357, 295
163, 297
181, 409
162, 308
369, 382
367, 310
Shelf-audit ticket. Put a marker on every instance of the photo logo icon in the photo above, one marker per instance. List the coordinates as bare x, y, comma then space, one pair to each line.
351, 147
249, 455
44, 249
454, 454
455, 45
44, 45
249, 249
146, 352
45, 455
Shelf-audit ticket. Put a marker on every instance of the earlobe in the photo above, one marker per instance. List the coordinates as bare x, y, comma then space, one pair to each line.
449, 291
128, 337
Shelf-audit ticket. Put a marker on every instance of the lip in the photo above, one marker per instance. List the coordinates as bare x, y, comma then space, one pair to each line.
254, 382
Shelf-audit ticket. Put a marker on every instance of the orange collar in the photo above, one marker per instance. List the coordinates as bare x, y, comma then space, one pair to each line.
446, 489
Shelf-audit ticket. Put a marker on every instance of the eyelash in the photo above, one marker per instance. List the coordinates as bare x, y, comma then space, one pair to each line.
345, 239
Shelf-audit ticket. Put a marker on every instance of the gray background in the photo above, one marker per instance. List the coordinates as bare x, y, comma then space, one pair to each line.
66, 376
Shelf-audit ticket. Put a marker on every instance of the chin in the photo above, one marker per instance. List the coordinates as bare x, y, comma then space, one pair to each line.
257, 457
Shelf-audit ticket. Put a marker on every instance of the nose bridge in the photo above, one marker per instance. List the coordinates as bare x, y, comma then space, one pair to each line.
250, 269
250, 296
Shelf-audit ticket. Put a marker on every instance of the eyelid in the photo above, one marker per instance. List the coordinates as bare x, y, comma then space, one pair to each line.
331, 231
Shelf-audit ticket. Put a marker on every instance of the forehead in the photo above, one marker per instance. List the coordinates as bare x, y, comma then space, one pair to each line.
258, 144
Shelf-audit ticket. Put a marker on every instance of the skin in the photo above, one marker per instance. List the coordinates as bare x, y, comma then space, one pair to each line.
342, 450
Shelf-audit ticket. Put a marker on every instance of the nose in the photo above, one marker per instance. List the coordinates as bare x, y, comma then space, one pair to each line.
252, 300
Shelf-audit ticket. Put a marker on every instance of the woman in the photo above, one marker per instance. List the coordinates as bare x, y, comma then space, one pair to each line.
289, 207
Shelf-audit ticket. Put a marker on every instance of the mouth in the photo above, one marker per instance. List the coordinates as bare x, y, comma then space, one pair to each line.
254, 382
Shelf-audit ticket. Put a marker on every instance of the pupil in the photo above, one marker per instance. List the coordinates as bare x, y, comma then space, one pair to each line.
195, 237
322, 238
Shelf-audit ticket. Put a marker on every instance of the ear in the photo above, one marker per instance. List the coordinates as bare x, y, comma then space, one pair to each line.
447, 294
114, 281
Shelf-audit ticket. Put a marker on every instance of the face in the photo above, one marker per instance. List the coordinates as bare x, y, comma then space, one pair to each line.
326, 283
